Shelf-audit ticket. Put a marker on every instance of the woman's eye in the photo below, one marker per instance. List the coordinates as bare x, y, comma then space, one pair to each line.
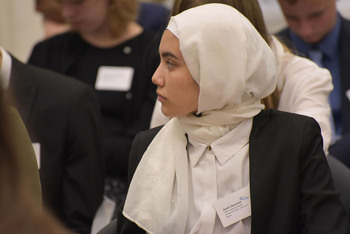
170, 65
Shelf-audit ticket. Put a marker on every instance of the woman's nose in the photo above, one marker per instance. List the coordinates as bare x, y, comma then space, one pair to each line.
157, 77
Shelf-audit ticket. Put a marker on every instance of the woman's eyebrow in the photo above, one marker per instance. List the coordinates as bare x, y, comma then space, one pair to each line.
168, 54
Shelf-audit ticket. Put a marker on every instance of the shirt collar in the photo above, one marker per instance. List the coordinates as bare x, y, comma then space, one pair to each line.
225, 147
5, 68
328, 45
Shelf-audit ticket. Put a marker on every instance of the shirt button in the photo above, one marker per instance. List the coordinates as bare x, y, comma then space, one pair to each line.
209, 148
128, 95
127, 50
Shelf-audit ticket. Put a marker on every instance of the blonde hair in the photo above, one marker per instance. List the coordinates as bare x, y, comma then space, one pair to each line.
121, 13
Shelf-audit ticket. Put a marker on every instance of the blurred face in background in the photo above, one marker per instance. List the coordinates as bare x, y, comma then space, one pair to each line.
311, 20
177, 90
86, 16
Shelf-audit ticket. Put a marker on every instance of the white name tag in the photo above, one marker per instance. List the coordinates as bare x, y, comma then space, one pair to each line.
114, 78
234, 207
36, 147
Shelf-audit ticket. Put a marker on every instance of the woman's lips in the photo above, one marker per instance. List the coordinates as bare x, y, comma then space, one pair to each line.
160, 97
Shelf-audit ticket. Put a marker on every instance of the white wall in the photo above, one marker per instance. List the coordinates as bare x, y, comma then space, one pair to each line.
20, 27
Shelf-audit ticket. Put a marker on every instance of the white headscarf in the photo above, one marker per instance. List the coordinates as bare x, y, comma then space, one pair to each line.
234, 68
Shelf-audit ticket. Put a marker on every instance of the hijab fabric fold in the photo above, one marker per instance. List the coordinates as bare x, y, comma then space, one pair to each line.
234, 68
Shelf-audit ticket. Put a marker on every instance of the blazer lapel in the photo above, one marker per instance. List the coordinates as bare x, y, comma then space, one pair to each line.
22, 89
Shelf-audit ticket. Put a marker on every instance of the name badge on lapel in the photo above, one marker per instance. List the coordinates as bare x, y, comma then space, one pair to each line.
114, 78
36, 147
234, 207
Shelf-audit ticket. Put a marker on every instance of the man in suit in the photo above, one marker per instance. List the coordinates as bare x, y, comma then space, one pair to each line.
63, 121
317, 31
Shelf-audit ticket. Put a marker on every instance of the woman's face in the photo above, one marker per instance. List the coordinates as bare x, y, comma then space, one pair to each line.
177, 90
86, 16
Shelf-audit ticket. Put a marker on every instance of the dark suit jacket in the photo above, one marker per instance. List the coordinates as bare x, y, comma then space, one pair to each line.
341, 149
291, 185
62, 115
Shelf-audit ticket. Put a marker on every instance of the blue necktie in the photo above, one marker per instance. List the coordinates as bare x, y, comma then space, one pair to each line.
316, 55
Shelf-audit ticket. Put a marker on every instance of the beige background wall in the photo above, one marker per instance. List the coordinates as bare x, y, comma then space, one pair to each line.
20, 26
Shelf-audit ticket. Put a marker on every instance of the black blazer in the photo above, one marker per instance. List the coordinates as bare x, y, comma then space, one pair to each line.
62, 115
291, 185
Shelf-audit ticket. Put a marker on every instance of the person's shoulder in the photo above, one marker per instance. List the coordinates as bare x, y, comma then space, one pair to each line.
142, 140
146, 136
272, 125
282, 119
150, 133
283, 33
284, 36
273, 113
58, 40
55, 80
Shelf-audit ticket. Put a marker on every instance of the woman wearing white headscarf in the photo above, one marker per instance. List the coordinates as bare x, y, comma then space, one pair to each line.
211, 168
302, 86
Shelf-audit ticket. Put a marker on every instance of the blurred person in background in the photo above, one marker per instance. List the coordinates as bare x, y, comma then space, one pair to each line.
52, 18
20, 209
152, 15
108, 50
317, 30
63, 121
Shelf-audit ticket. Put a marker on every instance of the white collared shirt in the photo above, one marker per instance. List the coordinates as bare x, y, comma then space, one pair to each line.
216, 171
5, 69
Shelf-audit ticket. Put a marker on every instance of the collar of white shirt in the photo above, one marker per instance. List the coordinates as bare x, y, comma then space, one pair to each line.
226, 146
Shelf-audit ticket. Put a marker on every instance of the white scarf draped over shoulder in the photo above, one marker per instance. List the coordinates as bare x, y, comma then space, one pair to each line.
234, 68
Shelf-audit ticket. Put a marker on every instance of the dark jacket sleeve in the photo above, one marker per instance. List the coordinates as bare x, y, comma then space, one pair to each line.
321, 208
83, 173
291, 185
139, 146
